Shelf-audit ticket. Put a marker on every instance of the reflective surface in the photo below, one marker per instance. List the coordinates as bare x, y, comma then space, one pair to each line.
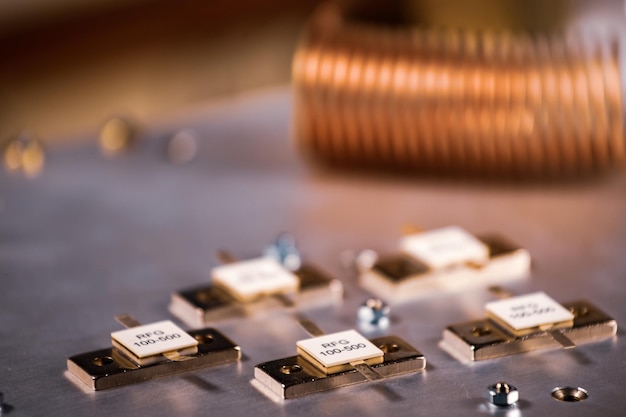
93, 237
295, 376
109, 368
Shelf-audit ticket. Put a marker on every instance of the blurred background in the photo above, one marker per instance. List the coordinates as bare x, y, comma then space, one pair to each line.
69, 65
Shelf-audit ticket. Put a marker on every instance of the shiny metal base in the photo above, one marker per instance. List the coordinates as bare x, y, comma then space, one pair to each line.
400, 278
108, 368
295, 377
198, 307
483, 339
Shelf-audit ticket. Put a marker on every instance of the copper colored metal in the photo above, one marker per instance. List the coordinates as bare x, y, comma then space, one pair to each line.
457, 101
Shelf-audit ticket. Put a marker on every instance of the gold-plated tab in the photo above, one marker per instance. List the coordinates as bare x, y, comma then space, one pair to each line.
127, 321
562, 340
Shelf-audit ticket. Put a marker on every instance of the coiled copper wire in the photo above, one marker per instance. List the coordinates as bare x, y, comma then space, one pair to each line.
458, 102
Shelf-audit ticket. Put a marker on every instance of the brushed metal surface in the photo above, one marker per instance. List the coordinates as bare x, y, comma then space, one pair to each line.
94, 237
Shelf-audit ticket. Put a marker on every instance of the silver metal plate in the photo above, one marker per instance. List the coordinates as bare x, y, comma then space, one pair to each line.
93, 237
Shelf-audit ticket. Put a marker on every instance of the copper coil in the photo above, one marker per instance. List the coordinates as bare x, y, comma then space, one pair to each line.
458, 101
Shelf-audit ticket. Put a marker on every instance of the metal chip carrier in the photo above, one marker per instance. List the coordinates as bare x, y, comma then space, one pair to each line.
141, 353
446, 259
331, 361
513, 327
244, 288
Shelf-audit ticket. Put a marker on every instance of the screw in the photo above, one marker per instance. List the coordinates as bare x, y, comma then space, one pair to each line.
285, 251
24, 154
117, 135
365, 260
373, 314
182, 147
502, 394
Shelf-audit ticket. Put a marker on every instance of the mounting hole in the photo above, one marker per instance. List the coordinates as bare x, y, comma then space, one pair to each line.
290, 369
481, 331
204, 338
204, 296
389, 347
102, 361
570, 394
580, 311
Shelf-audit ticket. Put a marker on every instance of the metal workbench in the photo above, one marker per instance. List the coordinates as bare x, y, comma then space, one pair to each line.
93, 237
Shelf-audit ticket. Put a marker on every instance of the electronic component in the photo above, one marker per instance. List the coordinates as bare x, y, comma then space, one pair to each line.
241, 288
145, 352
447, 259
529, 313
335, 360
255, 278
335, 352
445, 248
147, 344
458, 101
524, 323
